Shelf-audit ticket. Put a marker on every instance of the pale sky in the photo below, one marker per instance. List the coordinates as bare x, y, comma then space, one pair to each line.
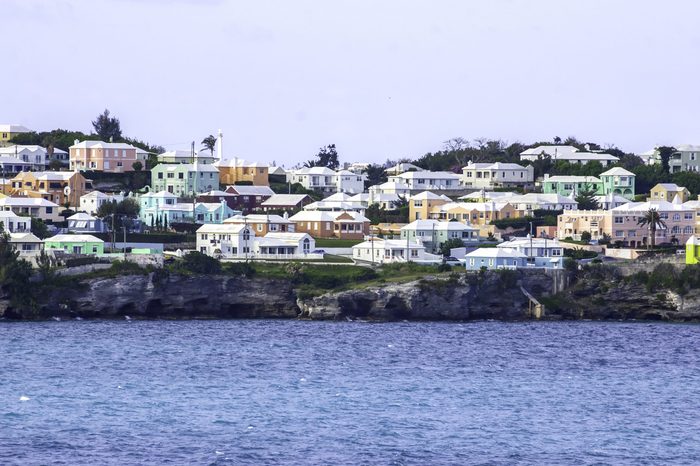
380, 79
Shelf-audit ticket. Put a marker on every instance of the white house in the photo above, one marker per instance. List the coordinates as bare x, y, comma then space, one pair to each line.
492, 175
433, 233
427, 180
327, 180
390, 187
540, 252
384, 251
286, 245
32, 206
402, 168
27, 244
569, 154
90, 202
529, 202
85, 223
13, 223
226, 240
495, 258
554, 152
339, 202
33, 157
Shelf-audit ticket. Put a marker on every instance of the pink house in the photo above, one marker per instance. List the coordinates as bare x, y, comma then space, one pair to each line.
621, 223
114, 157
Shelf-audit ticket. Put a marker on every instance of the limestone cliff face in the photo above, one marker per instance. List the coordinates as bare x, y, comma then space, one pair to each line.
174, 296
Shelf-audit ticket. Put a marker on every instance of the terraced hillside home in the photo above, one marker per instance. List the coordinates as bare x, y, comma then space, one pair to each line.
387, 251
569, 154
528, 203
110, 157
59, 187
263, 224
290, 203
322, 224
565, 185
433, 234
85, 223
32, 207
234, 171
554, 152
75, 244
621, 223
16, 158
248, 198
427, 180
540, 252
203, 157
226, 240
27, 244
184, 179
328, 181
7, 132
668, 191
91, 202
13, 223
420, 205
474, 213
497, 175
686, 158
494, 259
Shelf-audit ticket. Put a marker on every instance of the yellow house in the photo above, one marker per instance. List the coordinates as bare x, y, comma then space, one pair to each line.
7, 132
237, 170
667, 191
474, 213
420, 205
57, 187
692, 250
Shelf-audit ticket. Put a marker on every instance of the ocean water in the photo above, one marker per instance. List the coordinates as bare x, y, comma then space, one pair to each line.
289, 392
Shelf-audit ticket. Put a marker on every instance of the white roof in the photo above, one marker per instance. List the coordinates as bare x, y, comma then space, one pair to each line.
287, 236
525, 242
541, 198
284, 200
429, 175
246, 190
490, 206
314, 171
258, 218
14, 128
10, 214
427, 195
590, 156
276, 170
25, 237
495, 253
95, 194
404, 167
231, 228
26, 201
437, 225
573, 179
74, 239
210, 206
18, 148
617, 171
187, 167
81, 216
661, 206
670, 186
160, 194
489, 195
10, 159
101, 145
379, 243
549, 150
338, 197
216, 192
687, 148
327, 216
493, 166
238, 163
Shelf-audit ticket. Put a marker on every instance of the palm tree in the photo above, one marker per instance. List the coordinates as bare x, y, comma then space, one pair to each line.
652, 219
209, 142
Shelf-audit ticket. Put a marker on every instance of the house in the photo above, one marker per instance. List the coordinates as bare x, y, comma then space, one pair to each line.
111, 157
569, 154
540, 252
226, 240
386, 201
621, 223
686, 158
59, 187
28, 157
432, 233
84, 223
526, 204
263, 224
7, 132
497, 175
495, 258
339, 202
403, 168
386, 251
427, 180
276, 171
33, 207
10, 222
203, 157
420, 205
356, 167
233, 171
692, 250
564, 185
618, 181
27, 244
474, 213
248, 198
483, 196
285, 202
163, 208
323, 224
610, 201
329, 181
184, 179
667, 191
75, 244
399, 189
213, 212
91, 202
286, 245
554, 152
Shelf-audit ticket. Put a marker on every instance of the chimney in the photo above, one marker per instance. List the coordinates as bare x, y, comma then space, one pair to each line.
75, 142
219, 144
111, 139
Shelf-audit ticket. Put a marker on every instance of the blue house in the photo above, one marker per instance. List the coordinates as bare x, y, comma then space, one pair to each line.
495, 258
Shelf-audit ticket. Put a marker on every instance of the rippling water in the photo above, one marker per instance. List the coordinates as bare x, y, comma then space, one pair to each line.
288, 392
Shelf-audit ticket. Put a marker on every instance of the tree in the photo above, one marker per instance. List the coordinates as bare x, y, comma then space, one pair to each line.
445, 248
137, 166
107, 127
375, 175
557, 140
586, 199
14, 272
46, 263
39, 228
586, 236
209, 142
55, 165
327, 157
196, 262
665, 153
653, 221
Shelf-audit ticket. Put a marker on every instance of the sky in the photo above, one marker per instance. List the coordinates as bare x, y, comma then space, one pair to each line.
380, 79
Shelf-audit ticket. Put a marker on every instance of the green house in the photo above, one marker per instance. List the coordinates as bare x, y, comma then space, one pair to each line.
75, 244
617, 181
183, 179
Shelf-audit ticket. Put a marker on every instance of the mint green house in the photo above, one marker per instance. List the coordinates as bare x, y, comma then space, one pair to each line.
75, 244
183, 179
432, 233
616, 181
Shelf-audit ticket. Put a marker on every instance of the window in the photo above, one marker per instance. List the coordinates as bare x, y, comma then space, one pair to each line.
181, 176
619, 233
688, 216
619, 220
676, 230
160, 176
676, 217
414, 252
663, 215
632, 233
49, 210
688, 230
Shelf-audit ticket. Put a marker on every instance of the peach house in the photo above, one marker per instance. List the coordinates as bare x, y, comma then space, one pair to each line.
113, 157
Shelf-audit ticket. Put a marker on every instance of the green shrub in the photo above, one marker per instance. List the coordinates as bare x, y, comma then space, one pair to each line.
196, 262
